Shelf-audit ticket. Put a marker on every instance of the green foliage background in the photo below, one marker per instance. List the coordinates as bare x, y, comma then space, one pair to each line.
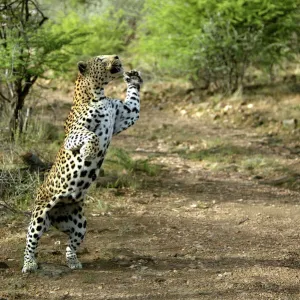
216, 41
209, 42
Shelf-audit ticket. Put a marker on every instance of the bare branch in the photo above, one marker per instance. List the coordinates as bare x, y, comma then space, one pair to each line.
4, 98
10, 89
44, 18
26, 11
5, 6
7, 206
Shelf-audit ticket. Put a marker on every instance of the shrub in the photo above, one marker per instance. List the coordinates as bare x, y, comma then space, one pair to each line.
214, 42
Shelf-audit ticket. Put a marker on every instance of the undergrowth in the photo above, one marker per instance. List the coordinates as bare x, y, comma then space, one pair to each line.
17, 189
227, 156
18, 182
119, 159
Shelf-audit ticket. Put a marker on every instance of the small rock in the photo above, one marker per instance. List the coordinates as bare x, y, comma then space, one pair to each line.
227, 108
192, 266
95, 215
290, 123
133, 266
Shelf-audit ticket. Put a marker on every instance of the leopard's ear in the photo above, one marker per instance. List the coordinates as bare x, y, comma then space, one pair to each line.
82, 66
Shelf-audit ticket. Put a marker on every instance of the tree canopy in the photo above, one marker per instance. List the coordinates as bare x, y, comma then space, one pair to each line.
211, 43
216, 41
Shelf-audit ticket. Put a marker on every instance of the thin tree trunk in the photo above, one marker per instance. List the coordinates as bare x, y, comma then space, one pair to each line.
20, 93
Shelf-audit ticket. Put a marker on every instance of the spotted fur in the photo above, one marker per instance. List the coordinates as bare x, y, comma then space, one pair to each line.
93, 120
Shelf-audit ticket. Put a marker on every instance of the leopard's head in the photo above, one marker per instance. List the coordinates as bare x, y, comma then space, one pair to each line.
100, 70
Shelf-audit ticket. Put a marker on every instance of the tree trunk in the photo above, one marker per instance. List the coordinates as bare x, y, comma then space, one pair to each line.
19, 94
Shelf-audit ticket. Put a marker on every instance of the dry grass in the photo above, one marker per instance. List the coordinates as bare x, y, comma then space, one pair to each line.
268, 153
19, 182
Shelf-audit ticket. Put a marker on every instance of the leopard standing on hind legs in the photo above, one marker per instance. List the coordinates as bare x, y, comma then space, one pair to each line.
93, 120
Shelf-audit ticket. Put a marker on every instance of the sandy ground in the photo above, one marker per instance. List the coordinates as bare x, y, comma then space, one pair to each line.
187, 233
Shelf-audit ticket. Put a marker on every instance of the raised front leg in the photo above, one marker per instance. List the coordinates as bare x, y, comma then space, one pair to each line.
127, 112
87, 142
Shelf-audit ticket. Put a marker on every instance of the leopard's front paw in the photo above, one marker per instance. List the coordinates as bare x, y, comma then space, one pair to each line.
74, 264
90, 150
133, 77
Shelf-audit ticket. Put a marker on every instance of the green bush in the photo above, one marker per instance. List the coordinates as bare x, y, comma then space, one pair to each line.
28, 48
105, 34
214, 42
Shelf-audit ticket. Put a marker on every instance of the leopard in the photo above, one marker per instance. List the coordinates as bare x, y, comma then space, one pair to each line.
93, 120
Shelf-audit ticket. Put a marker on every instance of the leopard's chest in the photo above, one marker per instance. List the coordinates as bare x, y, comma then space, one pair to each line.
100, 119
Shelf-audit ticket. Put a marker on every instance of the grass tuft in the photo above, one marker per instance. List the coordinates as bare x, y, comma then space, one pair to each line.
119, 159
17, 188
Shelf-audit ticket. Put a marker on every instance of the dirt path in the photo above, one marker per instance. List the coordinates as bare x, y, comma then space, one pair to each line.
189, 233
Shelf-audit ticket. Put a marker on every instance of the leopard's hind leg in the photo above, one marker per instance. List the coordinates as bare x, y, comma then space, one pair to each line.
39, 223
70, 219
